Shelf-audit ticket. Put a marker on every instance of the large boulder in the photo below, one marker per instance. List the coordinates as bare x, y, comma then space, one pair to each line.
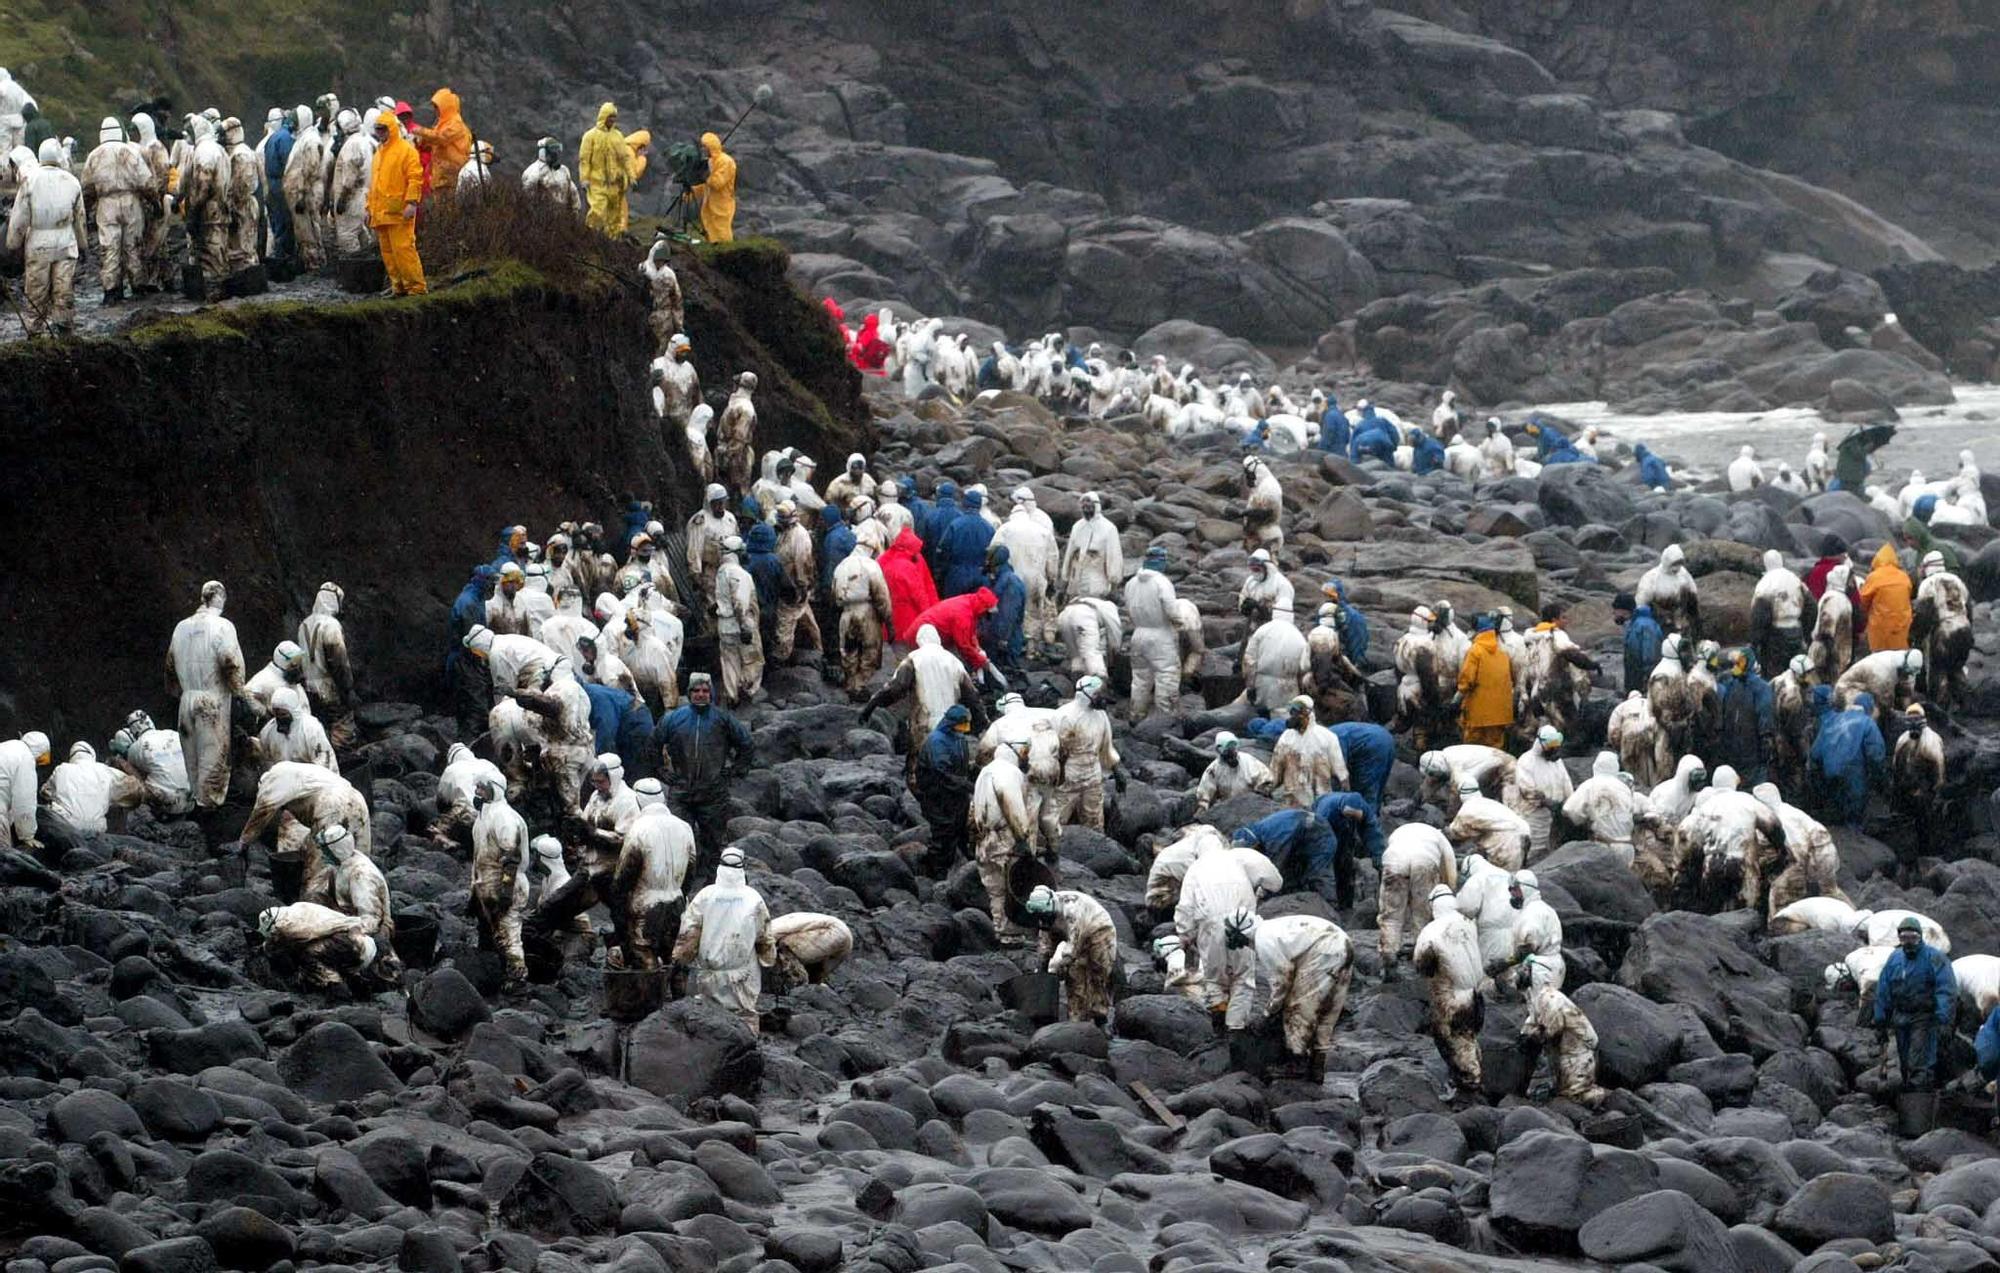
332, 1062
1665, 1229
691, 1049
1583, 495
1638, 1040
1837, 1205
1547, 1185
1701, 961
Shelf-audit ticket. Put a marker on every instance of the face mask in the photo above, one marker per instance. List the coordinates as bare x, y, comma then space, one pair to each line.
1517, 899
284, 724
295, 674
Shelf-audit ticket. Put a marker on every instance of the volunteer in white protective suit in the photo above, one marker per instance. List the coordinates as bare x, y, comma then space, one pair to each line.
862, 593
739, 638
1605, 807
82, 792
1034, 728
316, 799
1232, 773
500, 887
1156, 645
1080, 944
1305, 965
935, 678
1537, 930
1671, 591
12, 98
325, 945
19, 760
1781, 612
1219, 886
1878, 928
560, 716
648, 881
1306, 761
287, 667
47, 228
1487, 827
205, 669
1483, 897
1447, 955
117, 186
358, 886
1091, 634
294, 733
1263, 507
1416, 861
1445, 771
153, 756
1541, 785
1265, 590
1083, 743
851, 481
1555, 1024
457, 783
1275, 659
1812, 865
1002, 827
1030, 540
354, 155
1813, 915
1942, 629
1171, 863
1094, 561
329, 675
1745, 474
810, 947
726, 936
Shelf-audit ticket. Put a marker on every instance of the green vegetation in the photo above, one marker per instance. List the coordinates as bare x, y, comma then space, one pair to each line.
83, 61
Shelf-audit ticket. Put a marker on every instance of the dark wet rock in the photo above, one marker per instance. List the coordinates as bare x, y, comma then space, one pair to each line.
1546, 1186
81, 1115
1665, 1229
1083, 1140
246, 1239
1835, 1206
1025, 1198
447, 1005
176, 1110
332, 1062
1286, 1165
693, 1049
174, 1255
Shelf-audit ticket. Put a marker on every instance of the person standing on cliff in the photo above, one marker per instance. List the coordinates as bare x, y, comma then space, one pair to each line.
718, 193
394, 191
604, 164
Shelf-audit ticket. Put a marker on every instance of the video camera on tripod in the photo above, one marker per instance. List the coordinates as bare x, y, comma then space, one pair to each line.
687, 163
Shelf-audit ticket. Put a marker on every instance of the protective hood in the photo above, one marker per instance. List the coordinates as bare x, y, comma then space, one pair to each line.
999, 558
907, 543
1773, 559
446, 102
329, 598
148, 132
1884, 556
110, 130
606, 114
1672, 557
51, 153
762, 538
1605, 766
927, 636
712, 144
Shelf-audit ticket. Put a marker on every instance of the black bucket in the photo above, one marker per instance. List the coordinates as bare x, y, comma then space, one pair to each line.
248, 281
193, 286
1256, 1050
1023, 875
631, 995
1035, 995
416, 939
1380, 690
362, 274
1916, 1113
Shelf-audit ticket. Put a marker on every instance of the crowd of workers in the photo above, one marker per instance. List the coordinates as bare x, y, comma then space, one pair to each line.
322, 183
606, 768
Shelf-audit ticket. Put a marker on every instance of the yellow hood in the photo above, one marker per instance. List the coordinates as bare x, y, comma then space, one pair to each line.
1886, 556
606, 114
446, 102
712, 144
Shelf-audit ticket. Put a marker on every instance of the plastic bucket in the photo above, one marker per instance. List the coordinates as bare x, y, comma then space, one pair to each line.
416, 939
1035, 995
632, 995
1916, 1113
